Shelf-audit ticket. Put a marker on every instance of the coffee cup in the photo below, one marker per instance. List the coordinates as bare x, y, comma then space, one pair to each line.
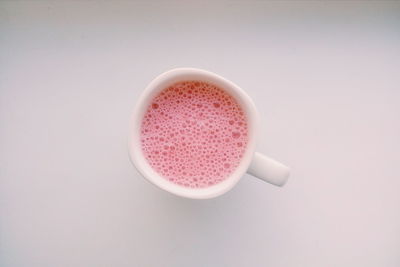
252, 162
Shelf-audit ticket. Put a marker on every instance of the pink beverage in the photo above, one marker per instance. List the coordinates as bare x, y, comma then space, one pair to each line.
194, 134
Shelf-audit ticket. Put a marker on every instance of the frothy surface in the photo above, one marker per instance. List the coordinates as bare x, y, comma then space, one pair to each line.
194, 134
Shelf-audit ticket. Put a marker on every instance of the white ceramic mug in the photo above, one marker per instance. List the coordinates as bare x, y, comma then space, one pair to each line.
252, 162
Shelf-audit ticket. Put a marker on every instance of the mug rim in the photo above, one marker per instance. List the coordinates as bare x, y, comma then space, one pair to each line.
158, 84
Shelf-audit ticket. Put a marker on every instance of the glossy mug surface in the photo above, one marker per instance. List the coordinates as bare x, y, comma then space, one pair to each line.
193, 134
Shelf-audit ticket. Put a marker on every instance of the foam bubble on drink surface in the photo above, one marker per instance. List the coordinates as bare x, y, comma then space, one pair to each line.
194, 134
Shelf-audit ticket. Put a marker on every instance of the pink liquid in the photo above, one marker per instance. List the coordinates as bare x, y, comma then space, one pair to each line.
194, 134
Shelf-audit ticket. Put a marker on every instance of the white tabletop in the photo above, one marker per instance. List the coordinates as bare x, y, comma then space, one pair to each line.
324, 75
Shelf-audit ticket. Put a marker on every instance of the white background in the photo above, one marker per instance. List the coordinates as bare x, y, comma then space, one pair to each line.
324, 75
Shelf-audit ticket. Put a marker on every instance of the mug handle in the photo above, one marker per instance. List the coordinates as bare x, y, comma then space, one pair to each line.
268, 170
